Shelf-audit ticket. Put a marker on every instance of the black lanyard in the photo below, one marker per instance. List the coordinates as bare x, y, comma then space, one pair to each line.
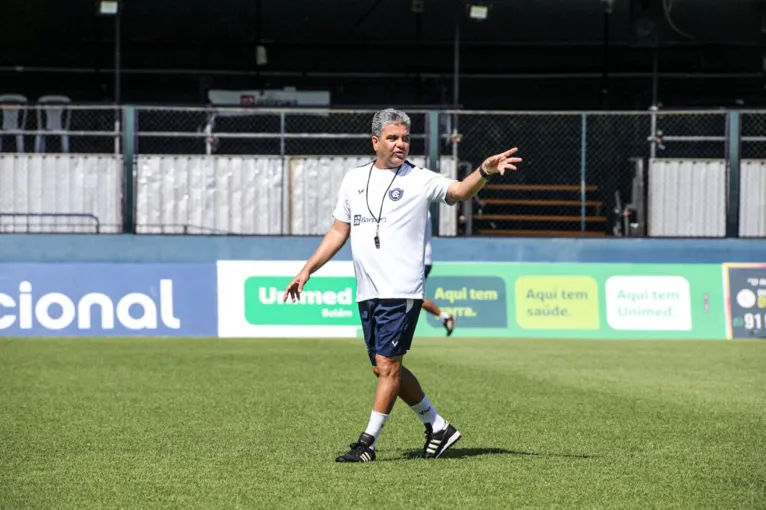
367, 200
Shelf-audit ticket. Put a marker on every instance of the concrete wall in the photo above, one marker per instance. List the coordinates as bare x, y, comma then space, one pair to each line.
155, 248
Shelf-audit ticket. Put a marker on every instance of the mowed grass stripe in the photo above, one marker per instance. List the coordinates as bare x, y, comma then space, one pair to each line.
168, 423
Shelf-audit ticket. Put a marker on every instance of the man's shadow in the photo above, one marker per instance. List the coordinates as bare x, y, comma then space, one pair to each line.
461, 453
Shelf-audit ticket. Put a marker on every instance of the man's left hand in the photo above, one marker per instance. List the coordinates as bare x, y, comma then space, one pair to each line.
499, 163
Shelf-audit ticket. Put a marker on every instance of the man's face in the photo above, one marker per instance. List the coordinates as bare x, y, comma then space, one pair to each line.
393, 146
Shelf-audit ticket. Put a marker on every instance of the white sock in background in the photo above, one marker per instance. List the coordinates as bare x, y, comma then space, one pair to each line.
427, 414
444, 316
377, 420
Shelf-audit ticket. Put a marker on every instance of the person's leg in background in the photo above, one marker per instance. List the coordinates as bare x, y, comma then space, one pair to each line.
448, 320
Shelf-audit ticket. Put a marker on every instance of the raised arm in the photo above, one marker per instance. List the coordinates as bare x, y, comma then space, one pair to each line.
460, 191
331, 243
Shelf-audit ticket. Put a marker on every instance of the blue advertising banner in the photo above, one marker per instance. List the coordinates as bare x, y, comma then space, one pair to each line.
108, 299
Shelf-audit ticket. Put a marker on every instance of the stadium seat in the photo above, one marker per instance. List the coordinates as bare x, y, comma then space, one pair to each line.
57, 117
10, 107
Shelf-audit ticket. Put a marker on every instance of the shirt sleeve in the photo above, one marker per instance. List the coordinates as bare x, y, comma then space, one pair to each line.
436, 186
342, 207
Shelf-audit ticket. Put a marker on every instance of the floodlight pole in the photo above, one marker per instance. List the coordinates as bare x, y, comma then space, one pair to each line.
655, 73
456, 62
117, 63
455, 99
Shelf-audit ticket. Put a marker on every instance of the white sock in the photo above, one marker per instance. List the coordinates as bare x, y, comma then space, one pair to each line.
427, 414
444, 316
377, 420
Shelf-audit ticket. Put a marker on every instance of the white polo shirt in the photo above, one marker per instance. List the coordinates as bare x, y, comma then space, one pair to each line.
428, 240
395, 270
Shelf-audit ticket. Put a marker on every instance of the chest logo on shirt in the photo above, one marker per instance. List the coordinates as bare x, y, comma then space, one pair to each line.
359, 219
395, 194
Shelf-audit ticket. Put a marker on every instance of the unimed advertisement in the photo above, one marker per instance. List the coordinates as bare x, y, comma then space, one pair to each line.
251, 300
107, 299
619, 301
504, 300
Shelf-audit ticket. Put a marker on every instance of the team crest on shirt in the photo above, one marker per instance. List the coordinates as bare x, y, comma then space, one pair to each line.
395, 194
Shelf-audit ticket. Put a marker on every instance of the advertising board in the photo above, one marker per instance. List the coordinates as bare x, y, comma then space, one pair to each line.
616, 301
107, 299
745, 298
250, 300
620, 301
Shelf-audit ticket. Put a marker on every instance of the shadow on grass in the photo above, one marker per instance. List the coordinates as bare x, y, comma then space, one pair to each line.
461, 453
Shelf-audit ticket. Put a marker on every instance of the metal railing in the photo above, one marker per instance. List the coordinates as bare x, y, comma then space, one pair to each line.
70, 128
262, 131
49, 223
584, 173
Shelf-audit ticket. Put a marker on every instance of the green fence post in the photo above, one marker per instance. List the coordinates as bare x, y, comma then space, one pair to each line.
733, 142
128, 164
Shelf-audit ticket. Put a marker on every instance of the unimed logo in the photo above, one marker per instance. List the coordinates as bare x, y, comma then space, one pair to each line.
56, 310
328, 300
272, 295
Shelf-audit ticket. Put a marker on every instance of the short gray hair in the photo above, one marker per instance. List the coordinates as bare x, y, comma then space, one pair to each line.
388, 116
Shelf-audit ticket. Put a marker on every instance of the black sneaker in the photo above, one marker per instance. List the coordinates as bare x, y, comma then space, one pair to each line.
449, 324
438, 442
360, 451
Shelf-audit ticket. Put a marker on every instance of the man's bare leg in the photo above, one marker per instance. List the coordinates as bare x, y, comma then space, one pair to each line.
394, 380
440, 435
409, 390
389, 372
409, 387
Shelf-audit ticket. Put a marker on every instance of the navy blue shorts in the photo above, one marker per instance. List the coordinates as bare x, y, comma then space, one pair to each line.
428, 269
389, 325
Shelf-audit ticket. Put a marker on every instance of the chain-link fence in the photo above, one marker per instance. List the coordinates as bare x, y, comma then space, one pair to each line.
546, 196
60, 167
752, 198
59, 129
582, 174
250, 131
753, 135
274, 171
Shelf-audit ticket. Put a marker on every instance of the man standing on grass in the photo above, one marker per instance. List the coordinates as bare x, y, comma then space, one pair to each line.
383, 208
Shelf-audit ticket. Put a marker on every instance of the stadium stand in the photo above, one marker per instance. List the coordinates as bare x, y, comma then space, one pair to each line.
539, 210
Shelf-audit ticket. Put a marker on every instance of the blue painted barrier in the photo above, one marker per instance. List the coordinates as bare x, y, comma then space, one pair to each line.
156, 248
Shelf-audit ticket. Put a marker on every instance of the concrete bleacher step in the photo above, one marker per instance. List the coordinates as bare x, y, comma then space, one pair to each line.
538, 187
536, 217
551, 210
514, 201
538, 233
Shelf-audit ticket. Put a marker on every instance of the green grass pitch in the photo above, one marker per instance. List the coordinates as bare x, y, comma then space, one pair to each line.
211, 423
